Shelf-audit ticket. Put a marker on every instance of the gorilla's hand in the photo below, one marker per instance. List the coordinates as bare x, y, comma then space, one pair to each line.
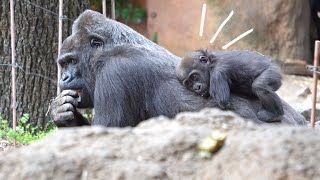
63, 110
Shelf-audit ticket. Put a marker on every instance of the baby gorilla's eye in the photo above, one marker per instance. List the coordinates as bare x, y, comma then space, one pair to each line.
95, 43
188, 83
194, 77
203, 59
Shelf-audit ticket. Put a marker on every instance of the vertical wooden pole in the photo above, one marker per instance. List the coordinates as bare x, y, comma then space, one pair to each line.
104, 7
113, 9
315, 82
60, 41
203, 17
13, 69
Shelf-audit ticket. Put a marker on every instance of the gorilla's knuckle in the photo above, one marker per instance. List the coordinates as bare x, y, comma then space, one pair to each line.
54, 103
58, 117
55, 117
68, 107
58, 102
64, 116
67, 92
60, 109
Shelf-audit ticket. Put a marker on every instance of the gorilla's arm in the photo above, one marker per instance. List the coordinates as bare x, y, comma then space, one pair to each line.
219, 87
116, 98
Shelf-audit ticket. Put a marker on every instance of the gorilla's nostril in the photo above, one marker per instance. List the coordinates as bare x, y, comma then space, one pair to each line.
197, 87
65, 77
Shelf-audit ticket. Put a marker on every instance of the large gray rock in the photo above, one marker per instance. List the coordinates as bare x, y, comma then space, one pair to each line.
164, 149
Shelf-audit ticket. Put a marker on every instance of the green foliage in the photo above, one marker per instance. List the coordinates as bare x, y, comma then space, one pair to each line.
88, 115
155, 37
25, 132
124, 10
128, 12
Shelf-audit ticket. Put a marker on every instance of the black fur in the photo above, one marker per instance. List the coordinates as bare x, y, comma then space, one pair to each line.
132, 89
315, 9
238, 72
127, 79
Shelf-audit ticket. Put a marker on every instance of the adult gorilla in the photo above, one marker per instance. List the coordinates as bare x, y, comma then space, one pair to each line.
127, 79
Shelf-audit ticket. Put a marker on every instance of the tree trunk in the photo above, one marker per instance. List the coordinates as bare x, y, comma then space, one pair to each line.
36, 48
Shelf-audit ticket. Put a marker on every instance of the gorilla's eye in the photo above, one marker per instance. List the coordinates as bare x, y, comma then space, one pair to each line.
188, 83
73, 61
194, 77
95, 43
63, 64
203, 59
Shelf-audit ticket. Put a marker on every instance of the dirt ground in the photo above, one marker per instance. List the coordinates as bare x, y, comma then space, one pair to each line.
6, 145
296, 90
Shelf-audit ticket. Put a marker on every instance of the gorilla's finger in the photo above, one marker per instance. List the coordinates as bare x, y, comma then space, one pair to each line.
56, 111
64, 108
65, 100
64, 116
72, 93
63, 119
67, 107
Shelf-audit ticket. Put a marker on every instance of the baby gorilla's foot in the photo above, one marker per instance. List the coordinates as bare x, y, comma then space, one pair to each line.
267, 116
224, 105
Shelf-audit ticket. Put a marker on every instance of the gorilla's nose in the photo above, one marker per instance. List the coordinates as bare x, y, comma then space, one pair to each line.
197, 87
66, 77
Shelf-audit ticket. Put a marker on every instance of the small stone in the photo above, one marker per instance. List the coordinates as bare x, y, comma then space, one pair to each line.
218, 136
212, 143
303, 93
208, 144
306, 113
205, 154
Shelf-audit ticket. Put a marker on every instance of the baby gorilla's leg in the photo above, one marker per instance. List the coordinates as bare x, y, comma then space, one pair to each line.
263, 87
268, 116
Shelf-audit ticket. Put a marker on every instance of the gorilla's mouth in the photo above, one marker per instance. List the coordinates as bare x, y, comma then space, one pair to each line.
79, 95
84, 99
205, 94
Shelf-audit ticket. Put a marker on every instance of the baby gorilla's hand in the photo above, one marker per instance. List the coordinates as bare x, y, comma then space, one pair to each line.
224, 105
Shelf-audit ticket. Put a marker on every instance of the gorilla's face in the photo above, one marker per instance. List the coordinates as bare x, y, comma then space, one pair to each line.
78, 72
193, 72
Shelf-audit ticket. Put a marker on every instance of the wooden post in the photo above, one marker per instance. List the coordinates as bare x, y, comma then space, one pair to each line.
315, 82
113, 9
104, 7
203, 17
59, 41
13, 69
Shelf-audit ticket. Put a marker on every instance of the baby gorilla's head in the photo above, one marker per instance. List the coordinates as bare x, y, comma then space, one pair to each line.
194, 72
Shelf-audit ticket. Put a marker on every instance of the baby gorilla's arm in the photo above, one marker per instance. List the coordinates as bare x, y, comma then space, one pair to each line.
219, 87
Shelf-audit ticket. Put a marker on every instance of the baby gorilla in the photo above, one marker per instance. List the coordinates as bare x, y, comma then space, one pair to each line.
217, 74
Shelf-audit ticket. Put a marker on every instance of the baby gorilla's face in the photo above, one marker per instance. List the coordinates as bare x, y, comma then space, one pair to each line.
193, 72
197, 82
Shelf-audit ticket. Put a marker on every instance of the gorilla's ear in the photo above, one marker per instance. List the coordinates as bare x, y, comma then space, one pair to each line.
88, 19
202, 51
212, 58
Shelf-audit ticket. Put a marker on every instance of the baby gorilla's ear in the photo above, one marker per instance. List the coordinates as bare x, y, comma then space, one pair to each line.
210, 55
212, 58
